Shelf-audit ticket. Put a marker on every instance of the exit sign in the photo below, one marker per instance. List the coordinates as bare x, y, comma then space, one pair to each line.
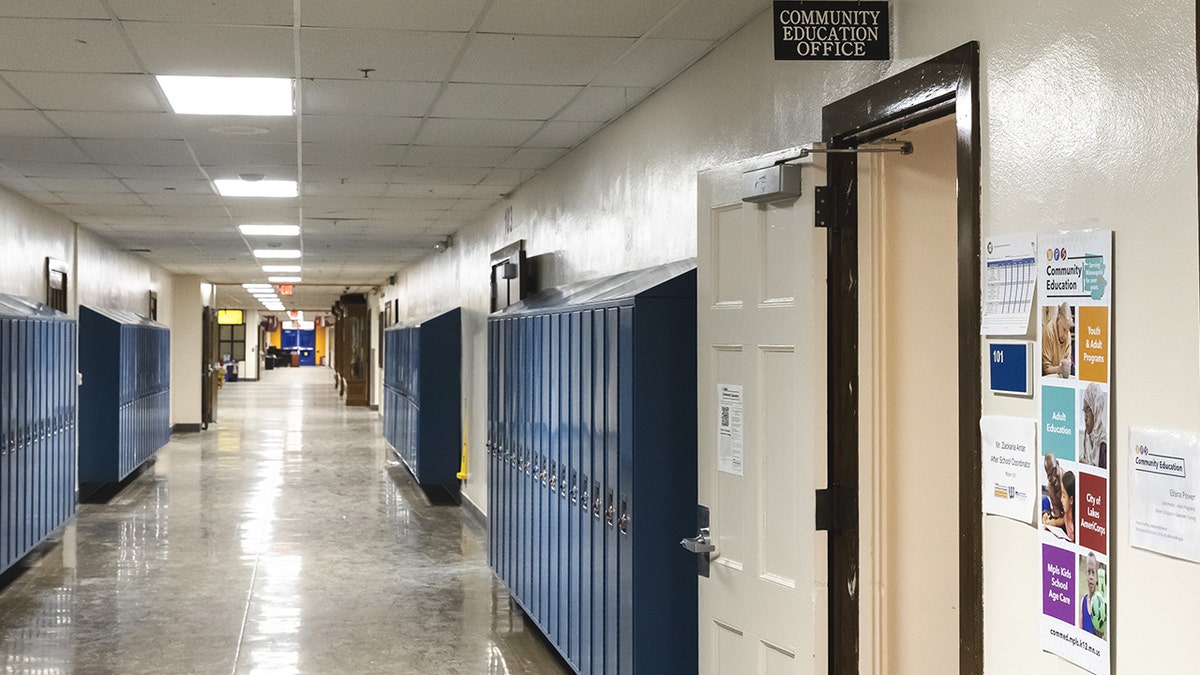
285, 289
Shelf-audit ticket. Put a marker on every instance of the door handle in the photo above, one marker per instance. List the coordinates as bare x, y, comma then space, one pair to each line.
698, 544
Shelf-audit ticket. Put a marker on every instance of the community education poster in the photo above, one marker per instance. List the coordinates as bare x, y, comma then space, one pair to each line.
1074, 325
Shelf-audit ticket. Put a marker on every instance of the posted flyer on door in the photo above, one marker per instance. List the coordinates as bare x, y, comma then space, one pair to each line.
1074, 325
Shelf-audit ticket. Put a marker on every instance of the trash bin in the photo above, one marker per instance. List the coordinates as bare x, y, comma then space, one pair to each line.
296, 359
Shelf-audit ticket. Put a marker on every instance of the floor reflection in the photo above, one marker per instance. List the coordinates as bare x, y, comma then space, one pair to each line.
285, 539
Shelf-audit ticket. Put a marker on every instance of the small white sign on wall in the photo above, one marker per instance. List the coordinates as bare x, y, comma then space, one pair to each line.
730, 428
1009, 466
1164, 492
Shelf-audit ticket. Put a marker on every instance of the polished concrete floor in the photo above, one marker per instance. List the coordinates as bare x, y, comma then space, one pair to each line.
285, 539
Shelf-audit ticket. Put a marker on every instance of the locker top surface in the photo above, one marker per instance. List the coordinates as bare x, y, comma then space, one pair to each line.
661, 281
413, 323
16, 307
123, 317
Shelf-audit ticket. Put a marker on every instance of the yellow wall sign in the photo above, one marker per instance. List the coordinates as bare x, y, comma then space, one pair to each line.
230, 317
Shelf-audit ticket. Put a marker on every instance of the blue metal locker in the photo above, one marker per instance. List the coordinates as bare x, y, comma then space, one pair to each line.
422, 409
37, 432
124, 416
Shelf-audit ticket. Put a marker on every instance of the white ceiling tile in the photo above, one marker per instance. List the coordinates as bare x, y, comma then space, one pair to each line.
507, 177
538, 59
653, 62
533, 158
198, 212
151, 172
602, 104
98, 92
350, 173
58, 170
443, 155
176, 187
563, 134
53, 9
137, 152
492, 192
395, 14
227, 153
439, 175
340, 154
20, 184
88, 199
629, 18
341, 53
64, 46
710, 19
352, 129
179, 198
9, 98
447, 191
259, 12
367, 97
196, 49
339, 189
81, 185
82, 213
47, 150
150, 125
238, 128
26, 123
508, 102
422, 203
39, 196
271, 171
496, 133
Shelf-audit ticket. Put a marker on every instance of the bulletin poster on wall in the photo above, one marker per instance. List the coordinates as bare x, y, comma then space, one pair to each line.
1074, 319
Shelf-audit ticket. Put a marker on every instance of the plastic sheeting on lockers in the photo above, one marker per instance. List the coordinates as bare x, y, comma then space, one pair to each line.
422, 390
124, 401
592, 467
37, 424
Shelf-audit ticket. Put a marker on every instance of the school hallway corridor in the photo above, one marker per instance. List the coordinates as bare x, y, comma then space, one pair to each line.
286, 538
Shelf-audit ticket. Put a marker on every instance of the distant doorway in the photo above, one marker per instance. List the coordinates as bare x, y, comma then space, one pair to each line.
301, 343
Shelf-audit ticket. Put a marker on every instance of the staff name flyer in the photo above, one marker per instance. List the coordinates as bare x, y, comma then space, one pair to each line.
1074, 324
1009, 466
1009, 282
1164, 484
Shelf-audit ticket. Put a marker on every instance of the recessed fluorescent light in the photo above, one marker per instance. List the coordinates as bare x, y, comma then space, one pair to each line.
276, 253
236, 187
280, 268
250, 287
191, 95
284, 280
269, 230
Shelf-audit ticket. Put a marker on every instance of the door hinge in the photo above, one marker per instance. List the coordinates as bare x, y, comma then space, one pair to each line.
837, 508
823, 202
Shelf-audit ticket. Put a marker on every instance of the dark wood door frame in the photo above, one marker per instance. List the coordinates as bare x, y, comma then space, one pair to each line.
945, 85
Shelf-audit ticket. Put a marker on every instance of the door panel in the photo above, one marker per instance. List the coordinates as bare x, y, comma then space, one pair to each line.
761, 311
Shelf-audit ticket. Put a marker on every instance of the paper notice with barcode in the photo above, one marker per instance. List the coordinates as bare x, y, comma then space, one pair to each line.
729, 429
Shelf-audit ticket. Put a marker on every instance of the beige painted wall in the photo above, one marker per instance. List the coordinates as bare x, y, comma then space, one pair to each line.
1079, 102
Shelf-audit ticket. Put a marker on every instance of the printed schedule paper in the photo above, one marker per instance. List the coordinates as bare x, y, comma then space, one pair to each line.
1009, 283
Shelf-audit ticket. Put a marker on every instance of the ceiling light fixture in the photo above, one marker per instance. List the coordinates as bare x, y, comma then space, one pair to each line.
284, 280
262, 96
254, 230
253, 286
279, 253
280, 268
237, 187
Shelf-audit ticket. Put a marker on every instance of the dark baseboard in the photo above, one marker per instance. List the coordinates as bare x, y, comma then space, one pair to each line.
374, 406
185, 428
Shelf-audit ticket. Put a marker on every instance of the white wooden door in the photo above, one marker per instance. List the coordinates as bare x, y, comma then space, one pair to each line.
761, 313
908, 262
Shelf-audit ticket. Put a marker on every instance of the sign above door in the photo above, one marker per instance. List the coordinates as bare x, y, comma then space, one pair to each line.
831, 31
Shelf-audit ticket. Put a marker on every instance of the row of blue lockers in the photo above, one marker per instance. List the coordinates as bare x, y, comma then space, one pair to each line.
592, 472
124, 401
37, 424
58, 434
422, 415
